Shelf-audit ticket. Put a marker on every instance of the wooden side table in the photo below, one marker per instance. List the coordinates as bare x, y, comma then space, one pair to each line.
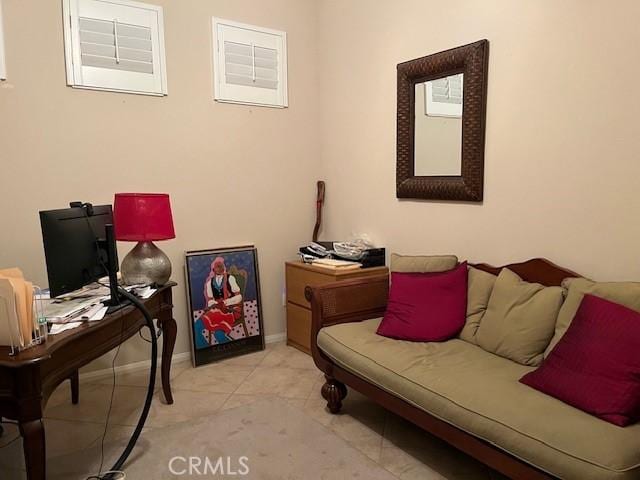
299, 275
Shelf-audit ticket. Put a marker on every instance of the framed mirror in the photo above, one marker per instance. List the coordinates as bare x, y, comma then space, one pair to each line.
441, 124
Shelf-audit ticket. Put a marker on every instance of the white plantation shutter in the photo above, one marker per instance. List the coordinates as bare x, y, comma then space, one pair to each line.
115, 45
110, 44
448, 89
249, 64
444, 96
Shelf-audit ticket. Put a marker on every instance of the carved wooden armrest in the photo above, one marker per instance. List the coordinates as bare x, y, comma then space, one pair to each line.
346, 301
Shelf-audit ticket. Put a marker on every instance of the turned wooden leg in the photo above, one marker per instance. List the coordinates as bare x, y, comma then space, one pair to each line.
34, 449
333, 392
75, 388
169, 332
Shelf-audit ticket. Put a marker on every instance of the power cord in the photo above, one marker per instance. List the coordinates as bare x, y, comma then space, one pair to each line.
8, 422
13, 440
117, 467
113, 390
158, 332
116, 473
121, 476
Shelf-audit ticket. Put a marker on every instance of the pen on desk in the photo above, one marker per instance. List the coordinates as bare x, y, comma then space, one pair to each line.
79, 314
91, 311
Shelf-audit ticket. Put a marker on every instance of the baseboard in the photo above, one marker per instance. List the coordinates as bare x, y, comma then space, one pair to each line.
278, 337
144, 364
131, 367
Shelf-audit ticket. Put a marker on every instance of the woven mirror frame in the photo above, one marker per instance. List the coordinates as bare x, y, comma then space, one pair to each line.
472, 61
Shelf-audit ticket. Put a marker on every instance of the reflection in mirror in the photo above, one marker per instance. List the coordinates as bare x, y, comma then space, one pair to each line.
438, 127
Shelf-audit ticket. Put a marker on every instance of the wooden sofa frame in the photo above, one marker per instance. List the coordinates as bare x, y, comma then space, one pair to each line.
361, 299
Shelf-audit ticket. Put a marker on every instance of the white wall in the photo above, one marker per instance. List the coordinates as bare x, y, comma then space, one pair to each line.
562, 172
232, 171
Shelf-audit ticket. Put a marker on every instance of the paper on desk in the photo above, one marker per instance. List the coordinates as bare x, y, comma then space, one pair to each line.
86, 313
64, 309
144, 292
63, 327
98, 314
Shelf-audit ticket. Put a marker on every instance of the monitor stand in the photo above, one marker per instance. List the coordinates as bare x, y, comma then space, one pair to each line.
114, 303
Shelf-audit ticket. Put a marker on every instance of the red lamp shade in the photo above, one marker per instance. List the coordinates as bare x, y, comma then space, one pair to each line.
142, 217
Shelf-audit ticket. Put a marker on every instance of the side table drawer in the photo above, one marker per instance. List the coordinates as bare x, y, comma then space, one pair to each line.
299, 326
298, 280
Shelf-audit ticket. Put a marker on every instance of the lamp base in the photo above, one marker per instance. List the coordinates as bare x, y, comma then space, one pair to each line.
146, 264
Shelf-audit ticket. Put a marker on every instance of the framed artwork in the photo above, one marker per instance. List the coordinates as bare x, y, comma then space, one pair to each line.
223, 288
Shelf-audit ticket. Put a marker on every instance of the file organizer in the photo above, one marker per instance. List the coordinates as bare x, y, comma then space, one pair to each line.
22, 321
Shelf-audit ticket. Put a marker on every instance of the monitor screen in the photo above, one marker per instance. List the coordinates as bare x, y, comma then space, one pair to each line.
75, 246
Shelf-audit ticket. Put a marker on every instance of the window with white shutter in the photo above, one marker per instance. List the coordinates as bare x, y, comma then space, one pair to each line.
250, 64
3, 67
115, 45
444, 96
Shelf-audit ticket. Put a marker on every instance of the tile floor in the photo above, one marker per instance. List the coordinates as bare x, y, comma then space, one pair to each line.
279, 371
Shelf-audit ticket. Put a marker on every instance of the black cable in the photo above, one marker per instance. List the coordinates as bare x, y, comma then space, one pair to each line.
95, 239
117, 466
113, 390
158, 334
7, 422
152, 382
159, 331
10, 441
142, 337
152, 374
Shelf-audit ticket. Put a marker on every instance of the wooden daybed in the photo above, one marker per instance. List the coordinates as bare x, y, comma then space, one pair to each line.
359, 300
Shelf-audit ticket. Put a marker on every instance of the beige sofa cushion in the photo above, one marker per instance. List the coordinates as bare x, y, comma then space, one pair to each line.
422, 263
520, 319
624, 293
479, 287
479, 393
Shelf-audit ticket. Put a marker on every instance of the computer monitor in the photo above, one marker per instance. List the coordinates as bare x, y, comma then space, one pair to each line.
75, 246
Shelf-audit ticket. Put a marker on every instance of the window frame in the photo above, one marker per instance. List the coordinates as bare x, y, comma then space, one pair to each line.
72, 53
218, 52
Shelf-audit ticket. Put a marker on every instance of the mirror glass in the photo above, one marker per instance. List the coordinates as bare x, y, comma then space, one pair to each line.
438, 127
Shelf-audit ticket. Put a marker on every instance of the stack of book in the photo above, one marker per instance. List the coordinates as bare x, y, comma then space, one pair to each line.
336, 265
18, 321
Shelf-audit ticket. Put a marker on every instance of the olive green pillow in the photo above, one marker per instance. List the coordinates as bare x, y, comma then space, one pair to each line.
422, 263
520, 319
479, 287
624, 293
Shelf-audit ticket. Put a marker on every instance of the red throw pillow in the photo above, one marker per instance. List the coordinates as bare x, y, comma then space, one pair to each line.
596, 364
426, 307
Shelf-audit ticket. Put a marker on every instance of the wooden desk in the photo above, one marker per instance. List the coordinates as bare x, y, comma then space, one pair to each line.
300, 275
28, 378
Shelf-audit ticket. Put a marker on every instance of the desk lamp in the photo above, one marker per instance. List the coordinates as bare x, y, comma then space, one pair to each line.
144, 218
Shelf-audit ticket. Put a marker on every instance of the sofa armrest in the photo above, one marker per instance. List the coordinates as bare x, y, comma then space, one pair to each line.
342, 302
